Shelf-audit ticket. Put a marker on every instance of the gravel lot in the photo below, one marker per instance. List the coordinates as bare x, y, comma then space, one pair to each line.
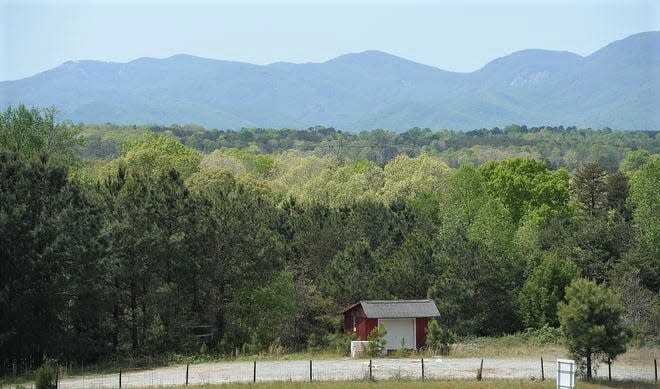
339, 369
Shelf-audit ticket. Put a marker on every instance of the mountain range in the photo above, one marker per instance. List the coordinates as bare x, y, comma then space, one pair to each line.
617, 86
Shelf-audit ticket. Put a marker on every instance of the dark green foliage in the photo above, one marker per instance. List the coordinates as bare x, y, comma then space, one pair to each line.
544, 289
589, 187
591, 322
49, 258
45, 377
479, 268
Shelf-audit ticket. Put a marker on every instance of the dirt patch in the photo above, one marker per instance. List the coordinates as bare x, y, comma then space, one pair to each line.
342, 369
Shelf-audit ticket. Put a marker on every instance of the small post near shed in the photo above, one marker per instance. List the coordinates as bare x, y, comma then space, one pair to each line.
358, 348
565, 374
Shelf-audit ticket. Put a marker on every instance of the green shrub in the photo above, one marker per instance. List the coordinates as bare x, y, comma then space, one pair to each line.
376, 340
439, 338
339, 343
312, 342
46, 377
154, 337
403, 351
542, 336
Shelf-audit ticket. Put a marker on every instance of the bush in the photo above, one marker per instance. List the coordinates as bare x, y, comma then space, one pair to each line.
542, 336
402, 352
339, 343
376, 340
154, 337
46, 377
439, 338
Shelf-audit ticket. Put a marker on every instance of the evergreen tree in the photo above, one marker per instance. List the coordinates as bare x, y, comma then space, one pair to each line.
591, 323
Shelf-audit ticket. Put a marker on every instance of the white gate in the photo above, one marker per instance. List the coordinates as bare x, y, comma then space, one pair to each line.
565, 374
397, 330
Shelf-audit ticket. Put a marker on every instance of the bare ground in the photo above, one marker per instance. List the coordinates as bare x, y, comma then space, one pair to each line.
343, 369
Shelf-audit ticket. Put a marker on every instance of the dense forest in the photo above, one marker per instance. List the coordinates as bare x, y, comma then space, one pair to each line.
567, 147
122, 240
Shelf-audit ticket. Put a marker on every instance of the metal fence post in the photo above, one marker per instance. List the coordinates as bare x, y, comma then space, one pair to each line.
57, 376
542, 372
422, 368
370, 376
254, 372
187, 367
310, 370
609, 369
120, 378
655, 366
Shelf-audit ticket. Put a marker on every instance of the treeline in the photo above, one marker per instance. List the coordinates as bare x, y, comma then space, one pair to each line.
557, 146
128, 256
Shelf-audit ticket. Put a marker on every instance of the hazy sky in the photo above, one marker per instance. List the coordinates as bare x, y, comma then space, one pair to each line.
452, 35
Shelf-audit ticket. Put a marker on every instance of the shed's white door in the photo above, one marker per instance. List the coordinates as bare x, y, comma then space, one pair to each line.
398, 329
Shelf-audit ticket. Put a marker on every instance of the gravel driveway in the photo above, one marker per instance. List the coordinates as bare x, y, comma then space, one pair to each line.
339, 369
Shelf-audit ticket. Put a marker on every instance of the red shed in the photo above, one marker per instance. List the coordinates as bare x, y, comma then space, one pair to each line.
405, 320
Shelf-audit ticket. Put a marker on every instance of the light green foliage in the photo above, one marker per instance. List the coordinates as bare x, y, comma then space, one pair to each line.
294, 171
327, 180
645, 198
408, 178
376, 340
105, 141
544, 289
255, 163
591, 323
155, 154
525, 184
634, 160
223, 161
29, 131
439, 338
357, 181
527, 236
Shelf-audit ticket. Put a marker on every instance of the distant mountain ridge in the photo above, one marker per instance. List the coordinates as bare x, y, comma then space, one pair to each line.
618, 86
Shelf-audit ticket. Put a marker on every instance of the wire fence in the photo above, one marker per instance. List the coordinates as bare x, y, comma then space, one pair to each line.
436, 368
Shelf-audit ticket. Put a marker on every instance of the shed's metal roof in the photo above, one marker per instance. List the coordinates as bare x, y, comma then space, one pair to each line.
398, 308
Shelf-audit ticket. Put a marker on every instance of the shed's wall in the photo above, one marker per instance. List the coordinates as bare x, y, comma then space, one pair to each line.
360, 322
420, 331
367, 326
